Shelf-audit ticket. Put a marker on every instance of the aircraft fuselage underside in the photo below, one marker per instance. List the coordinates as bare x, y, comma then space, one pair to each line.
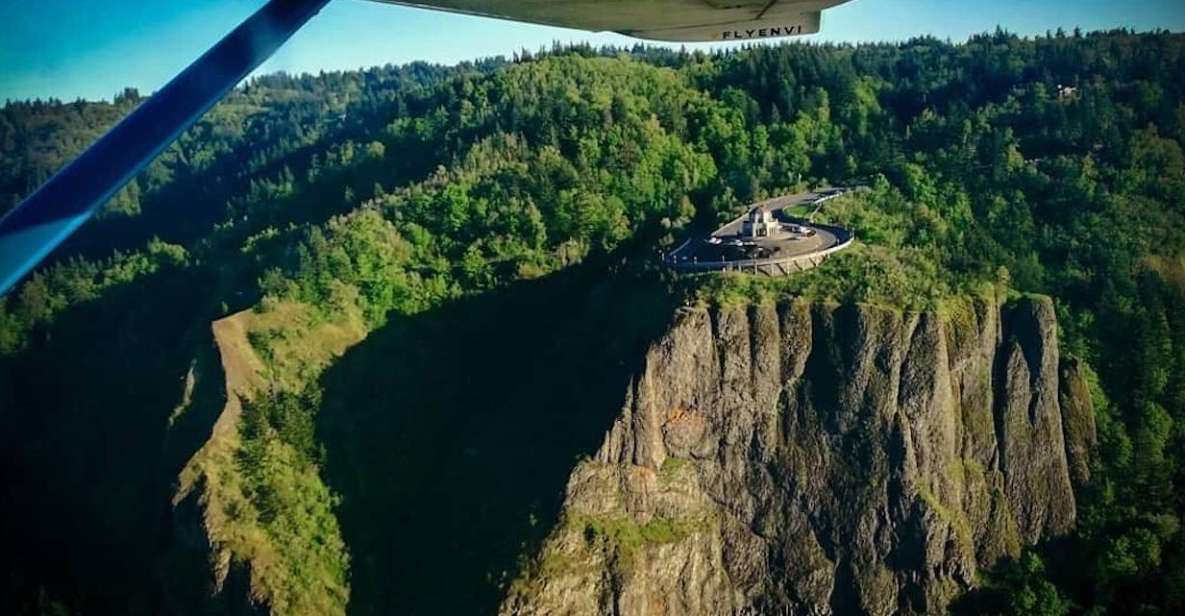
663, 20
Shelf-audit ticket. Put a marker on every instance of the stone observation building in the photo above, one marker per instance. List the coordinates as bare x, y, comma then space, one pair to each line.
759, 222
765, 240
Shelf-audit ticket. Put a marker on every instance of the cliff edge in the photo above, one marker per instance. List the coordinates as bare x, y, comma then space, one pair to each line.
814, 459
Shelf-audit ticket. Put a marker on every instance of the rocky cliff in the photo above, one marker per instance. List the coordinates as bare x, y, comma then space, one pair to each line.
815, 459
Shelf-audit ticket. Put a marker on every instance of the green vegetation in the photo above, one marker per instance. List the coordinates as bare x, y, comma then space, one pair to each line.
628, 534
956, 519
626, 537
52, 290
346, 209
287, 500
672, 465
1022, 587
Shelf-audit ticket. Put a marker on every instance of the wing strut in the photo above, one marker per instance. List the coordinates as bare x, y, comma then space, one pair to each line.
48, 216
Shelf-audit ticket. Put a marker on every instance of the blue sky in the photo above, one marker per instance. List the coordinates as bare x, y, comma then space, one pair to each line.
69, 49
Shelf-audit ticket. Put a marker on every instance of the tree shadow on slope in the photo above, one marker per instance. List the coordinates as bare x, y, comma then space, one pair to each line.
83, 465
450, 435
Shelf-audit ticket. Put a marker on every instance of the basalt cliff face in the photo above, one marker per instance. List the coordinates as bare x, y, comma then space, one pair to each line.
815, 459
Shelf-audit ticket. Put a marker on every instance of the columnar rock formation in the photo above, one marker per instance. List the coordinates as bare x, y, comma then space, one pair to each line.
815, 459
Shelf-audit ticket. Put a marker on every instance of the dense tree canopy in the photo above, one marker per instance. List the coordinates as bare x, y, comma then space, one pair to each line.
1050, 165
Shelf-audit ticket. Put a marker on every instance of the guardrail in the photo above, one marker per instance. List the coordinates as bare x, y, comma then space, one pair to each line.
779, 266
817, 202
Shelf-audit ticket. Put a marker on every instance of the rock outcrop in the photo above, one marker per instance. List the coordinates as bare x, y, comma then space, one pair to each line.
1077, 421
817, 459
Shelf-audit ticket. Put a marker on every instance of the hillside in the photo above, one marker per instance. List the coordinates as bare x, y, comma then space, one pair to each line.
413, 351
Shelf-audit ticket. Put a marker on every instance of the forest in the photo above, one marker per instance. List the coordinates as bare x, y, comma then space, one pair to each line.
360, 200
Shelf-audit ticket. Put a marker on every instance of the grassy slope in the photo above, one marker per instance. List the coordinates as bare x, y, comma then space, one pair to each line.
291, 573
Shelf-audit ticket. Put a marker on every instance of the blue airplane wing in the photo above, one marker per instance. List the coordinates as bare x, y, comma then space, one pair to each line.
45, 218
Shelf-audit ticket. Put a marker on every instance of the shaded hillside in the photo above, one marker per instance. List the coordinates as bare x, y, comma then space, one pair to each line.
449, 435
446, 435
85, 415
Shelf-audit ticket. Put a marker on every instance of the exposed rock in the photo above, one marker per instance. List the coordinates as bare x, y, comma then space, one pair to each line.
812, 459
1029, 423
1077, 421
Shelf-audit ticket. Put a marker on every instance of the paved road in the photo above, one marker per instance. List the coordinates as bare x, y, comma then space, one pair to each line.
698, 251
775, 205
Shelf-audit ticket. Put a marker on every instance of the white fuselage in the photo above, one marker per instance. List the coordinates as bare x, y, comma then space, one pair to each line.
664, 20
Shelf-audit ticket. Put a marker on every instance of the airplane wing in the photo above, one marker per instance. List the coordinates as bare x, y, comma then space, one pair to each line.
661, 20
31, 230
